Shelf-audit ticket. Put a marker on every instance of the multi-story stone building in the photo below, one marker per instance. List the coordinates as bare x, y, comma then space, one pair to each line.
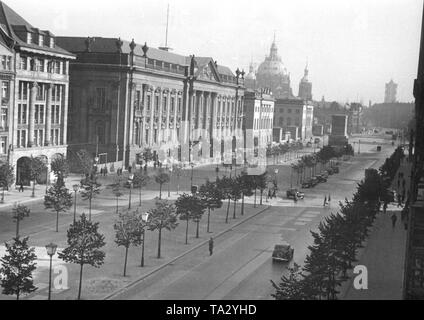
259, 110
298, 113
126, 97
35, 81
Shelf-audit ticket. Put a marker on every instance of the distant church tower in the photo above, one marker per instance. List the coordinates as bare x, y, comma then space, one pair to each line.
305, 87
250, 78
391, 91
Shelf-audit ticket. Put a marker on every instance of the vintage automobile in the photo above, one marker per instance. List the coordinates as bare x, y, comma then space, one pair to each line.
321, 178
330, 171
292, 193
282, 252
317, 140
307, 184
336, 169
314, 181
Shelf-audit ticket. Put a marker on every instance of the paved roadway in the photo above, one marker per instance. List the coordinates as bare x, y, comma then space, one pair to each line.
241, 266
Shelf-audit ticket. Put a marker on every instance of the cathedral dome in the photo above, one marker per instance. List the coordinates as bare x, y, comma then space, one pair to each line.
272, 64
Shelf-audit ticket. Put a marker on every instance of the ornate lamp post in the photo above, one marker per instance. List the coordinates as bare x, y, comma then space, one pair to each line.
76, 188
170, 179
130, 181
191, 179
51, 250
144, 218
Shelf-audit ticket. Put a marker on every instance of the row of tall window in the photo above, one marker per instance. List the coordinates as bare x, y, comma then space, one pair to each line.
42, 89
40, 39
42, 65
259, 124
289, 110
39, 138
174, 103
288, 121
39, 114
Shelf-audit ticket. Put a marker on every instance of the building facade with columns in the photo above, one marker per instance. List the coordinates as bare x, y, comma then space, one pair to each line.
38, 71
126, 97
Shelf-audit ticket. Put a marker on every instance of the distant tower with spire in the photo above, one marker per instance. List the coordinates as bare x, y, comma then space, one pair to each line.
250, 78
305, 86
390, 93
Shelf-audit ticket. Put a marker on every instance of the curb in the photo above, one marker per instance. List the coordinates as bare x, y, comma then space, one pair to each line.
141, 278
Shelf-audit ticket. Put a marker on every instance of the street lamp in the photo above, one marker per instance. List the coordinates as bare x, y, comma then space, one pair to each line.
51, 250
170, 178
144, 218
76, 188
2, 195
191, 179
130, 180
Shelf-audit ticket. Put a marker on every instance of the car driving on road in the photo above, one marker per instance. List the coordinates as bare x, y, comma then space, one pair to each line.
282, 252
292, 193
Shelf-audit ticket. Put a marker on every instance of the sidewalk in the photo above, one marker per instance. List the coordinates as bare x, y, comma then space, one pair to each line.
383, 255
14, 196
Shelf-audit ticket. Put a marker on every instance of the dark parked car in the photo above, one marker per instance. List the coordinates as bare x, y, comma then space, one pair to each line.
314, 181
307, 184
309, 144
336, 169
330, 171
321, 178
282, 252
317, 140
292, 193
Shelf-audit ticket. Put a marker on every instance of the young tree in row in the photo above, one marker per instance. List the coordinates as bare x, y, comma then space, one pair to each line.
260, 183
246, 186
17, 267
117, 191
188, 206
161, 178
60, 168
89, 189
235, 194
84, 243
127, 233
84, 161
225, 184
177, 171
19, 212
7, 177
140, 181
36, 167
163, 216
58, 198
212, 198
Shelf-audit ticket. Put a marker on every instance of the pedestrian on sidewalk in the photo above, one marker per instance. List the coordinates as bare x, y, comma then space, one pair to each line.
385, 207
210, 246
21, 187
399, 198
394, 219
325, 201
269, 196
329, 200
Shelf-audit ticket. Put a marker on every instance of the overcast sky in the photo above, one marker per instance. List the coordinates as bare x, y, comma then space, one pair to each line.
353, 46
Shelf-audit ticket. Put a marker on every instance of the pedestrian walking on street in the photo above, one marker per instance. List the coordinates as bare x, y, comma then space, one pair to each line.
269, 194
325, 201
399, 198
384, 207
21, 187
210, 246
394, 219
